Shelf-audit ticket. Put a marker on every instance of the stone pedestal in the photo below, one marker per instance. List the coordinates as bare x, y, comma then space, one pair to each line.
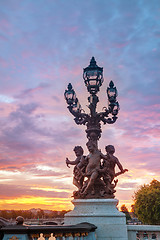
103, 213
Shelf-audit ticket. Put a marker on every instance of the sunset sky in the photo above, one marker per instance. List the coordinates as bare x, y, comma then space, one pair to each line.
44, 45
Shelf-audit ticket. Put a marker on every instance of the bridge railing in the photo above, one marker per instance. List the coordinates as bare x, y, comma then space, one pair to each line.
80, 231
141, 232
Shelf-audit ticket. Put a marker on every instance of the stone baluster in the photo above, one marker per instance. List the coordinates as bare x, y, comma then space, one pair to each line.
141, 235
35, 236
41, 237
59, 236
68, 236
149, 235
157, 235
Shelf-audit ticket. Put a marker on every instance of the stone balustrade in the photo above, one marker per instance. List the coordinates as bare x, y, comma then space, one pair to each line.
143, 232
82, 231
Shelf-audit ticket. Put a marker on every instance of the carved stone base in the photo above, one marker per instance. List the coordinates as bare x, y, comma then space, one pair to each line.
103, 213
100, 191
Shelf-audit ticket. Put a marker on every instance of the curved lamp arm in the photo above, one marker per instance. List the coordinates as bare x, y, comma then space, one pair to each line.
80, 118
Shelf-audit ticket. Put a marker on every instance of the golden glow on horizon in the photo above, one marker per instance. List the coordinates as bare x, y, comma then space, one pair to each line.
58, 204
128, 204
38, 202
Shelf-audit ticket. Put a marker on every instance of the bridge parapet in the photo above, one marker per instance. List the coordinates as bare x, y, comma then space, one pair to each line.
82, 231
141, 232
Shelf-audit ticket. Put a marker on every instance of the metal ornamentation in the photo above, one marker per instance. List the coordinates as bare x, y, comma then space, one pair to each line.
93, 79
94, 174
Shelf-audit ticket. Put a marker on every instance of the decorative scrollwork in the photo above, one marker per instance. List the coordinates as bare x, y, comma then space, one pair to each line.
93, 78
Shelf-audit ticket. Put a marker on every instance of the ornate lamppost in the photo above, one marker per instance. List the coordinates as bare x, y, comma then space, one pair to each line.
93, 79
99, 174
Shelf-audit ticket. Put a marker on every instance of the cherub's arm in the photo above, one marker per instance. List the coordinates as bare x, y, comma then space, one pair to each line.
83, 162
120, 166
73, 162
82, 165
103, 156
86, 159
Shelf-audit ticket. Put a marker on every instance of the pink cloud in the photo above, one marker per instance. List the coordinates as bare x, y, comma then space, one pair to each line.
3, 62
72, 29
15, 191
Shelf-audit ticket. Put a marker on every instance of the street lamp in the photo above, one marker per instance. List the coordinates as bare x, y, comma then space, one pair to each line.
70, 95
93, 79
112, 94
99, 169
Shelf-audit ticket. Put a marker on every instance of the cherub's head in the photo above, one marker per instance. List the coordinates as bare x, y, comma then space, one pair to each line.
110, 149
78, 151
91, 146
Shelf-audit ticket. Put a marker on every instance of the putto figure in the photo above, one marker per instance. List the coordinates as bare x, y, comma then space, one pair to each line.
108, 169
113, 161
79, 169
94, 164
98, 171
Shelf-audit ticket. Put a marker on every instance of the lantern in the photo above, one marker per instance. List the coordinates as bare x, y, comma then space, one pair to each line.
93, 77
70, 95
